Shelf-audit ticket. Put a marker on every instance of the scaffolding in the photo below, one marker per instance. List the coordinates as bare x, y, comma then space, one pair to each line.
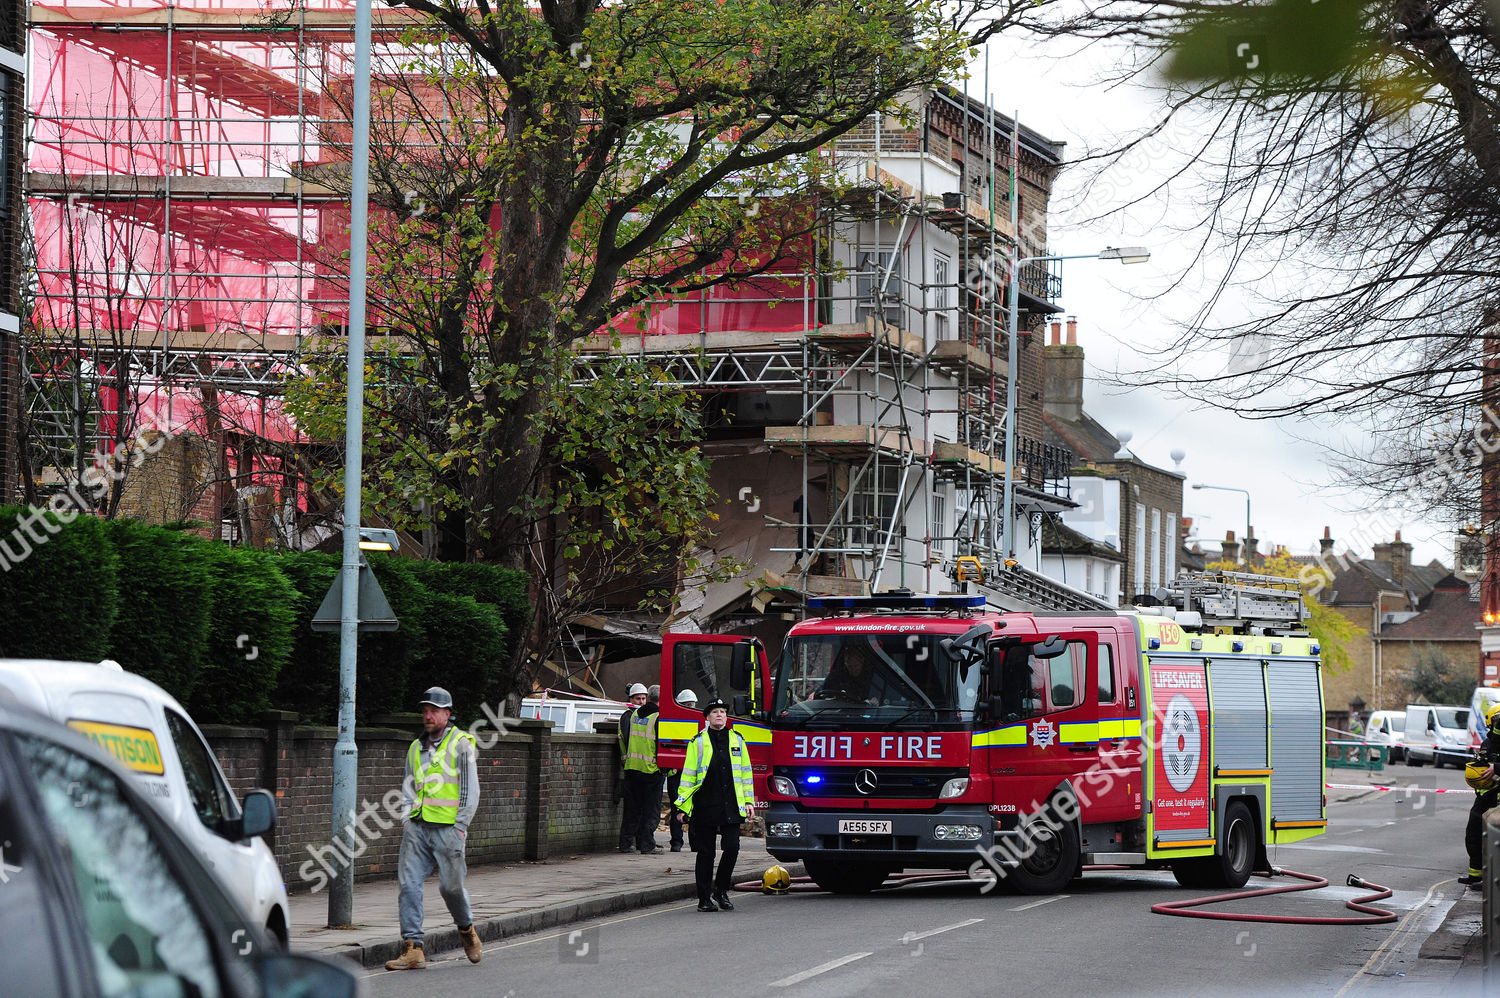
883, 376
189, 230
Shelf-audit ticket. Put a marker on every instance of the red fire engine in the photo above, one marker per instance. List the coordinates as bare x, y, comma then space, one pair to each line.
904, 731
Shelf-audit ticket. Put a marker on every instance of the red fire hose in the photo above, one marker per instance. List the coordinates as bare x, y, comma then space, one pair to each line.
1372, 916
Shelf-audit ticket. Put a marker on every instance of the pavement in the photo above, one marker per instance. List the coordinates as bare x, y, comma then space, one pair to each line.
508, 899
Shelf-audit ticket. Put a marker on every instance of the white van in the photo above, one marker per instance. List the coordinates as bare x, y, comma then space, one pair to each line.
1436, 733
1384, 728
140, 724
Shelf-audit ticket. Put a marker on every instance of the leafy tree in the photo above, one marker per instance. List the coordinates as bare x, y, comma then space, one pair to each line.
1332, 629
548, 171
1434, 677
1345, 155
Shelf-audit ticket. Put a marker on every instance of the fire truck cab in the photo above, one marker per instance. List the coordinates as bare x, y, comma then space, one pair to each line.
933, 732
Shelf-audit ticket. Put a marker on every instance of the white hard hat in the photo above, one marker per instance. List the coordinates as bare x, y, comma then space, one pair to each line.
687, 697
637, 689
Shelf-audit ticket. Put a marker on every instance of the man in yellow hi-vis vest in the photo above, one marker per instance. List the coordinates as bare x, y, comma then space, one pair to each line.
642, 775
716, 794
441, 791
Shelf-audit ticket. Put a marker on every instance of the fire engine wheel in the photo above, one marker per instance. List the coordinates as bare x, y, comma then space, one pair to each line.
1053, 862
1232, 866
846, 878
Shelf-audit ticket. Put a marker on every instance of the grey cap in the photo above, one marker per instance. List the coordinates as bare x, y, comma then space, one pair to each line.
438, 697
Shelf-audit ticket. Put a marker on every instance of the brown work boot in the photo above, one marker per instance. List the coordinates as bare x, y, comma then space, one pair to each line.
472, 949
411, 957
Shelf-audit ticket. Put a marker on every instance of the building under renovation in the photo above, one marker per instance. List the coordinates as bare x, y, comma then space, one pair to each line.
187, 253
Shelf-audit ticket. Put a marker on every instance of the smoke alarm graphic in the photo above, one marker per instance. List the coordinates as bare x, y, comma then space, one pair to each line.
1181, 743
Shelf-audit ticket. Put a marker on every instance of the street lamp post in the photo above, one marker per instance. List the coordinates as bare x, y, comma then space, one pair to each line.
1231, 488
1125, 254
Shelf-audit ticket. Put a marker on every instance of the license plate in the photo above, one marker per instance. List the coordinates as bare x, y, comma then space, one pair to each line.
847, 827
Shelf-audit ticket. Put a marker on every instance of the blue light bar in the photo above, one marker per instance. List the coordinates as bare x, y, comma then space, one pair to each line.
812, 779
897, 601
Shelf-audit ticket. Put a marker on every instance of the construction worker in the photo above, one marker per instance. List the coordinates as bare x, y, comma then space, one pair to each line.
629, 819
688, 699
441, 794
642, 775
1480, 774
716, 795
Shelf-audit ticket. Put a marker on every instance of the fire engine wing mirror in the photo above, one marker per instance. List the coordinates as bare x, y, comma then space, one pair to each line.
739, 666
968, 648
742, 706
1051, 648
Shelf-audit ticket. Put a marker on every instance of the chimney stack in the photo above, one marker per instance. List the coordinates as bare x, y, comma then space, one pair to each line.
1056, 334
1325, 546
1398, 554
1231, 548
1062, 392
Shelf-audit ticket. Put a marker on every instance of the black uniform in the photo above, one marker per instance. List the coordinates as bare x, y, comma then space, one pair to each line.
1488, 755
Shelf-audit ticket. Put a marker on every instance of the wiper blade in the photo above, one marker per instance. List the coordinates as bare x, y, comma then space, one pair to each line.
909, 713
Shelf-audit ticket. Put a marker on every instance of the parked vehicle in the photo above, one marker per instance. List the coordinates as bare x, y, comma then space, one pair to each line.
1480, 702
1384, 728
1436, 733
151, 734
911, 731
105, 897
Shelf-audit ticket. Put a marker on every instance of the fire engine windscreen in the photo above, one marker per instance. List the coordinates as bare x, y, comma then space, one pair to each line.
872, 678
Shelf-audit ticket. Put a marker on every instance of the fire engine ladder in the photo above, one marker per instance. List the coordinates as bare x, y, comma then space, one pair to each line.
1253, 604
1017, 588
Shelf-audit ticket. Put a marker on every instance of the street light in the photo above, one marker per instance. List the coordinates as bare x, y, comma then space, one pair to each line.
1231, 488
1125, 254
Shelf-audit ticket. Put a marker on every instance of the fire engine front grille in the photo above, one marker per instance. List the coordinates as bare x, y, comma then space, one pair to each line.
890, 782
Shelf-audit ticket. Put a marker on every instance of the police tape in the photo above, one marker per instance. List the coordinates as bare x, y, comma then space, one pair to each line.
1404, 790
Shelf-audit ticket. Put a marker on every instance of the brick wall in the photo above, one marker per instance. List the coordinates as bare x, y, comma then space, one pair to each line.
540, 793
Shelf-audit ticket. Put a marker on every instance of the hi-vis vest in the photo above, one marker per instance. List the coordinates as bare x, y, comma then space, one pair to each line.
436, 786
640, 750
700, 752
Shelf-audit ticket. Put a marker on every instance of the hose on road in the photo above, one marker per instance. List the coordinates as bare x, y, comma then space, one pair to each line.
1372, 915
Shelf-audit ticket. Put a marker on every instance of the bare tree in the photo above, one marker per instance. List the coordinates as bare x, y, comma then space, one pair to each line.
1343, 160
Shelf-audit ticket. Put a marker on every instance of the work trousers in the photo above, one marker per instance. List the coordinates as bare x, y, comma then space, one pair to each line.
1474, 834
674, 823
642, 810
425, 847
703, 834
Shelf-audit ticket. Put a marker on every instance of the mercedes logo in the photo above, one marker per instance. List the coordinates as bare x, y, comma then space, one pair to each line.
865, 781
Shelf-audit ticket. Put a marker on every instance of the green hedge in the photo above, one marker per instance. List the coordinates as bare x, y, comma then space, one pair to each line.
226, 630
59, 587
252, 611
161, 631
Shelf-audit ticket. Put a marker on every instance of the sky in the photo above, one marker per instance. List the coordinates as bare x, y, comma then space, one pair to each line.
1294, 493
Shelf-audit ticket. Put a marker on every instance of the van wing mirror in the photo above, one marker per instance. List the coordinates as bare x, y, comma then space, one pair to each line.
258, 817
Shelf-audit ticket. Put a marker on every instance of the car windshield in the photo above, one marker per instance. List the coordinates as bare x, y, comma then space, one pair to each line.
875, 679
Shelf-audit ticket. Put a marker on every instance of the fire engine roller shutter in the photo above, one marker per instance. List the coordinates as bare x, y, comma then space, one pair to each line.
1239, 705
1296, 741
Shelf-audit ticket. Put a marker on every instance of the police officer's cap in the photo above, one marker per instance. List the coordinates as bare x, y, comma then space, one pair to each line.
438, 697
717, 703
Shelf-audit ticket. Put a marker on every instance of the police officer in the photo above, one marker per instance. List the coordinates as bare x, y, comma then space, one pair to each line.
441, 794
642, 774
1480, 774
716, 795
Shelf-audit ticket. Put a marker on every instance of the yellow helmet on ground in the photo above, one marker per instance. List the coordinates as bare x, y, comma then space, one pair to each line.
776, 880
1475, 777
